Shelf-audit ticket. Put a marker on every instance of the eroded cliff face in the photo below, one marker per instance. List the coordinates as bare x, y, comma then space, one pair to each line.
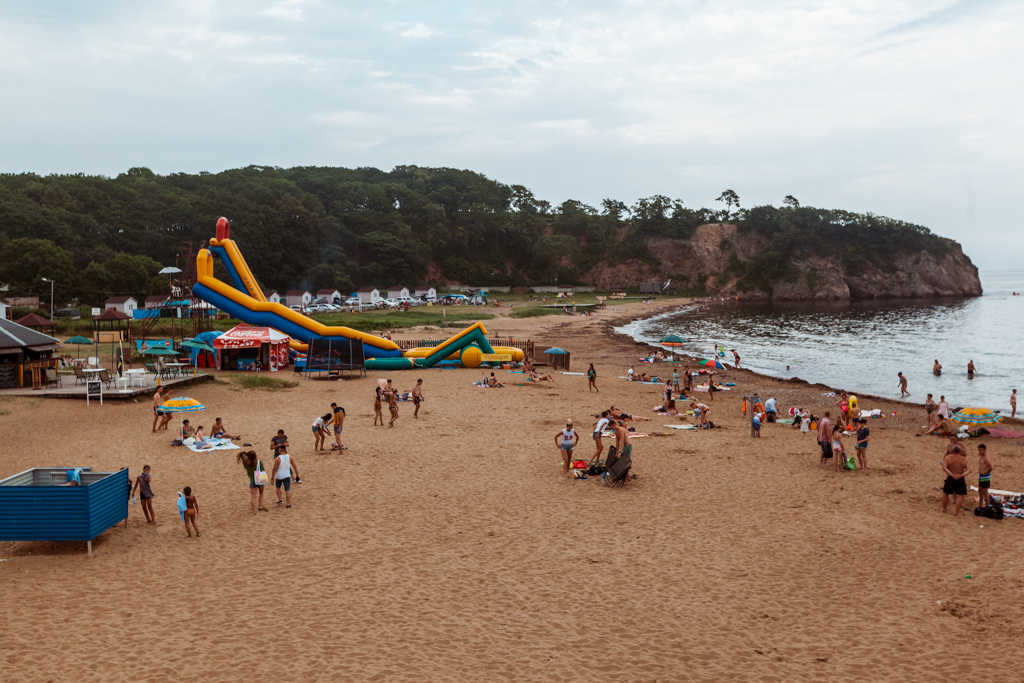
703, 259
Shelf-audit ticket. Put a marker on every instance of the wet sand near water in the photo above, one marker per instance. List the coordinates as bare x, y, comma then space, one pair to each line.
450, 548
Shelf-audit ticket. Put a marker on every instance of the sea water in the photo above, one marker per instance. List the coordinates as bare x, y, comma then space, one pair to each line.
861, 345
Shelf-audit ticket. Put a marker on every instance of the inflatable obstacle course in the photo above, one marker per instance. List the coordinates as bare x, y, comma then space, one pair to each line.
243, 299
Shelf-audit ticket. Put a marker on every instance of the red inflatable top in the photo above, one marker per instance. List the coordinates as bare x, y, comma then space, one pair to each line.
223, 229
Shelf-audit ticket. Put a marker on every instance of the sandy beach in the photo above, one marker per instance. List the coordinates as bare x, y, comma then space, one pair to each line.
449, 548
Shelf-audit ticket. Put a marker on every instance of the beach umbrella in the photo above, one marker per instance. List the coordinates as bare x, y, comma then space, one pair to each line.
555, 349
78, 341
160, 351
979, 417
202, 346
673, 340
712, 363
181, 405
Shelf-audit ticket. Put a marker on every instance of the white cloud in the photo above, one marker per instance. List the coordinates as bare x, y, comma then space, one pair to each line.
884, 106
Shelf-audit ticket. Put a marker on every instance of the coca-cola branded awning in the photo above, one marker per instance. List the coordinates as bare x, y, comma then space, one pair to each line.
243, 337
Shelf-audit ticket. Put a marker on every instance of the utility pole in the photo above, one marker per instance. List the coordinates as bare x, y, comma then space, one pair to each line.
51, 297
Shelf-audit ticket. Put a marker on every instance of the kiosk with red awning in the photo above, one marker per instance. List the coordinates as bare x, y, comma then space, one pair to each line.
244, 347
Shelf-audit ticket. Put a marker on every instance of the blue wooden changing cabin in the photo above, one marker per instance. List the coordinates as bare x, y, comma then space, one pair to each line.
36, 505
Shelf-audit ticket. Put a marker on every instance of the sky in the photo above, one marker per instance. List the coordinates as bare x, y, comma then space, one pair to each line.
905, 109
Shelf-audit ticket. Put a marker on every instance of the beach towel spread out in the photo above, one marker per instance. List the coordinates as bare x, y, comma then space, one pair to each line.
687, 427
571, 373
182, 505
218, 445
1003, 433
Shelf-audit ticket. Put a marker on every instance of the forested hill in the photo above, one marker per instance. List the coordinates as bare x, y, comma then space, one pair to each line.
342, 228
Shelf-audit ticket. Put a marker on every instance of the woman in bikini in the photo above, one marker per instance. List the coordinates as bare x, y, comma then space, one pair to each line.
393, 406
377, 414
191, 510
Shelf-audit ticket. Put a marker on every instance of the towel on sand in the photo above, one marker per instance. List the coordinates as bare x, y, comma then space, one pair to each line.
218, 445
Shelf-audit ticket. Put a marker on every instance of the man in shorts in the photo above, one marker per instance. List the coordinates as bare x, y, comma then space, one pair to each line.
825, 437
957, 468
417, 397
279, 442
984, 476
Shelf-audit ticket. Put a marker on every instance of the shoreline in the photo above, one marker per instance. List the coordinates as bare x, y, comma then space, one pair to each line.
788, 383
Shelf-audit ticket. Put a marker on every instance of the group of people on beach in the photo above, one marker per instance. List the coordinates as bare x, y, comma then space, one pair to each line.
612, 419
956, 468
385, 392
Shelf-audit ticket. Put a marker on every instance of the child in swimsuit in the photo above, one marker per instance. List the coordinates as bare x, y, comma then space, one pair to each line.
377, 415
838, 452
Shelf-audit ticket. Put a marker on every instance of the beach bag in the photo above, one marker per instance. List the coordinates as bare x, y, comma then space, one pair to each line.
260, 476
989, 511
579, 465
177, 442
848, 462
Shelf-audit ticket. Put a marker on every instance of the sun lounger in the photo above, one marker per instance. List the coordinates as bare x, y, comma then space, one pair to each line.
79, 375
616, 474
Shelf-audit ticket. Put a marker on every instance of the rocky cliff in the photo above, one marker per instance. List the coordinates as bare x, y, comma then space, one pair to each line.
709, 259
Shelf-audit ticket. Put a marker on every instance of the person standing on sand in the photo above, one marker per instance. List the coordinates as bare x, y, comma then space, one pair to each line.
279, 442
970, 369
838, 450
825, 436
158, 400
805, 423
860, 449
191, 511
936, 368
592, 378
598, 428
943, 409
282, 475
688, 378
417, 397
251, 464
668, 393
956, 468
566, 441
1013, 404
844, 406
984, 476
338, 422
675, 380
143, 486
903, 385
320, 427
929, 408
377, 415
392, 396
736, 358
621, 434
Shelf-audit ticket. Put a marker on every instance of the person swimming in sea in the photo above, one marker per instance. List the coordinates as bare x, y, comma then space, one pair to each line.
936, 369
970, 369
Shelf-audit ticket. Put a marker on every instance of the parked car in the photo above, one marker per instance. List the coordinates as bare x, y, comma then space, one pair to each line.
352, 301
69, 313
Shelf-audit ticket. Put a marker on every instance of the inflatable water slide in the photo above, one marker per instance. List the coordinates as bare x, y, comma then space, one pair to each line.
243, 299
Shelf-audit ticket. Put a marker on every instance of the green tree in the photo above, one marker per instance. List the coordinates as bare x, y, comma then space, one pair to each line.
730, 199
24, 262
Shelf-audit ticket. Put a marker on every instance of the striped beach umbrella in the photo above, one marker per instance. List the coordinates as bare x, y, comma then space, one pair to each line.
181, 405
979, 417
673, 340
712, 363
